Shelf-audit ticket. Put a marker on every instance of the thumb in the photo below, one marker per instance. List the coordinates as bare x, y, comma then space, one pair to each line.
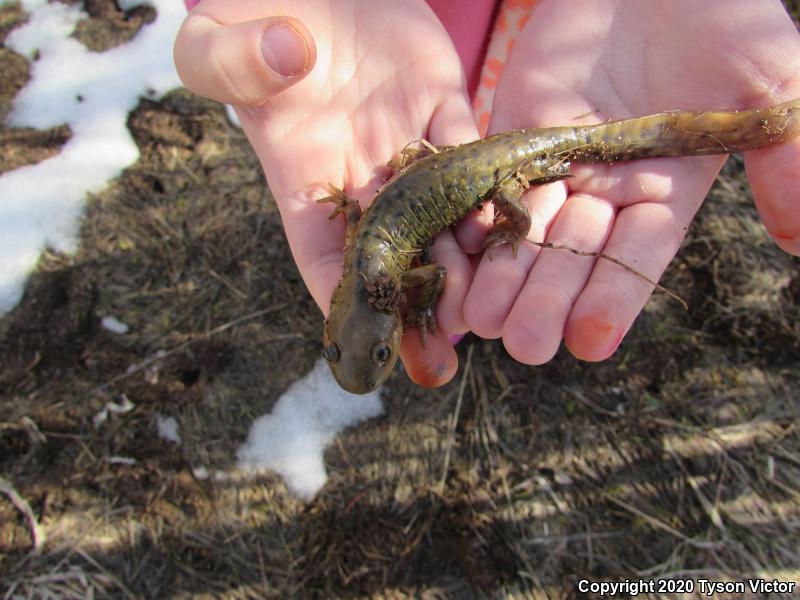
242, 63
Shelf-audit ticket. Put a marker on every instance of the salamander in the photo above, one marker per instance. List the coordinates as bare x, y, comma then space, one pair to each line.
388, 280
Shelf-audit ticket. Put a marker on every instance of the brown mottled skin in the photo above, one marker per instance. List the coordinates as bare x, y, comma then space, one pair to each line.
386, 248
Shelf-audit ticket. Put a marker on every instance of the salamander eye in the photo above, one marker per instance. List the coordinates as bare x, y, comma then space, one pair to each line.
381, 353
331, 352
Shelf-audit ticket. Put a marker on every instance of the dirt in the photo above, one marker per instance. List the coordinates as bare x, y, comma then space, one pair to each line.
108, 26
679, 456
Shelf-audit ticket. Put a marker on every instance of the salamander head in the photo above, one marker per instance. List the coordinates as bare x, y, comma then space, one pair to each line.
360, 343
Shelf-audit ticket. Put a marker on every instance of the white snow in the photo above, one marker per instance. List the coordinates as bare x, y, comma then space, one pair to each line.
114, 325
120, 460
292, 438
118, 408
92, 92
168, 429
232, 116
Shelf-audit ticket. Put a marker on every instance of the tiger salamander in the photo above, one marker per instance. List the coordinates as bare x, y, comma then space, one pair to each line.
389, 281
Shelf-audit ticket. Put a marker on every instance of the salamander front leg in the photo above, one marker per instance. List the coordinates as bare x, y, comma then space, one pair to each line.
410, 154
344, 206
428, 282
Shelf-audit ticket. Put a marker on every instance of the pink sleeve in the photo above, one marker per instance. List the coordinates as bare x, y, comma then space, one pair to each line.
469, 25
190, 4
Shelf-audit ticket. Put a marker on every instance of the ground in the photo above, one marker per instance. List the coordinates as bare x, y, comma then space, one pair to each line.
678, 457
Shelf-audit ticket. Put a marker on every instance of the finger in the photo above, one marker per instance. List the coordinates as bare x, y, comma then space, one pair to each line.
647, 233
774, 175
432, 366
242, 63
499, 278
533, 329
449, 310
645, 237
471, 231
452, 122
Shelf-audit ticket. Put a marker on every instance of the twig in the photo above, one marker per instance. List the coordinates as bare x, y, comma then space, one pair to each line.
708, 507
660, 524
616, 261
576, 537
113, 578
39, 536
580, 397
451, 429
227, 283
162, 354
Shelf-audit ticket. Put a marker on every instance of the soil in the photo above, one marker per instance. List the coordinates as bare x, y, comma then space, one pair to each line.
677, 457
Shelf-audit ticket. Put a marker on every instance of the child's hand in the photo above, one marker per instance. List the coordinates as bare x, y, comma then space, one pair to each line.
586, 61
327, 92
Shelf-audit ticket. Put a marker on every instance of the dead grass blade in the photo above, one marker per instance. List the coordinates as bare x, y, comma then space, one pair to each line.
661, 525
451, 427
22, 505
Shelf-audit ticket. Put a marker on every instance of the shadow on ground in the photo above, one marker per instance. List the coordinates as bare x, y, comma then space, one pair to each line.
678, 457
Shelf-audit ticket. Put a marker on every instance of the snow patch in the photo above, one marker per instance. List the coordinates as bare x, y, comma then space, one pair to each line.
121, 460
292, 438
117, 408
232, 116
114, 325
200, 473
168, 429
92, 92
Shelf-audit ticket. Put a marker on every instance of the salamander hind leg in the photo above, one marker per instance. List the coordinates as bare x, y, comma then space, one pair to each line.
427, 281
513, 222
344, 206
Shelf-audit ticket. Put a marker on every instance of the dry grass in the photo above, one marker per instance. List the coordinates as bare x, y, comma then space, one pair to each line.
680, 456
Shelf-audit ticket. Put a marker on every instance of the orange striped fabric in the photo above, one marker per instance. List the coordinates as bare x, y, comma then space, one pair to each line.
511, 18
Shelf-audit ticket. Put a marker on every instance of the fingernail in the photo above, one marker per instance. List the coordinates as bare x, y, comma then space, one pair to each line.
455, 338
284, 50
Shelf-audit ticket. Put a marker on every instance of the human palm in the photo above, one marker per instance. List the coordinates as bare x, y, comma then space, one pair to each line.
386, 73
587, 61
